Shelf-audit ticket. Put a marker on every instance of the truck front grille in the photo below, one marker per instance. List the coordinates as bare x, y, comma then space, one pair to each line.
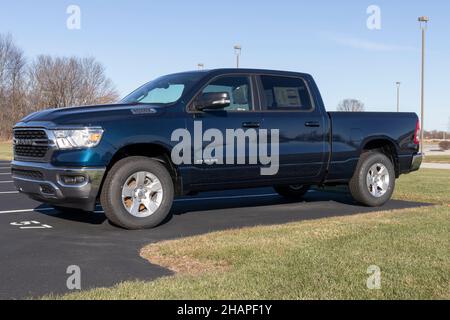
30, 143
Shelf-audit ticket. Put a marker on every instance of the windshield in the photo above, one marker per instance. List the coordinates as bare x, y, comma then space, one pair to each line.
165, 90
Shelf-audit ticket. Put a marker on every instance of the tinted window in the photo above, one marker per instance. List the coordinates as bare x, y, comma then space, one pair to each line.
284, 93
238, 88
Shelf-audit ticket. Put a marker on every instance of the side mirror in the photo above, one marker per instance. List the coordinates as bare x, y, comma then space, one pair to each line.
213, 101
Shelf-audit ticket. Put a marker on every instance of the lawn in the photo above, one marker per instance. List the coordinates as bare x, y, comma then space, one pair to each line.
438, 159
5, 151
320, 259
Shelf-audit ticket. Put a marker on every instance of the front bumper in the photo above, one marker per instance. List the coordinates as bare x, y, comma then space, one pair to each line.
416, 162
43, 182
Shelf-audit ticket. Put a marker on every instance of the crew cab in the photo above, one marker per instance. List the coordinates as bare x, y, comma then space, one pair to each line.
208, 130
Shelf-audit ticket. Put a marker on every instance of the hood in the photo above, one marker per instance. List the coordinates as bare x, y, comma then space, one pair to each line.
86, 115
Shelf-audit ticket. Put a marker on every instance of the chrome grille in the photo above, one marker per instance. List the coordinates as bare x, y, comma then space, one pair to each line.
30, 143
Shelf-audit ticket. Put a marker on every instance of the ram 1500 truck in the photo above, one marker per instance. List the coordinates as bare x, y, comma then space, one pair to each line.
208, 130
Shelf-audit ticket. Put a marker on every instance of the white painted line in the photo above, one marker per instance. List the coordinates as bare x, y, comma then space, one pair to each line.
176, 200
8, 192
27, 210
44, 226
4, 174
31, 225
6, 181
228, 197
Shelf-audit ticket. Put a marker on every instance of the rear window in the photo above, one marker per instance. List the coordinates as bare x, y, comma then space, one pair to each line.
285, 93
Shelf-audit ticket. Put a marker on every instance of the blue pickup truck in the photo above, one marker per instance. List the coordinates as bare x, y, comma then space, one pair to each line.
208, 130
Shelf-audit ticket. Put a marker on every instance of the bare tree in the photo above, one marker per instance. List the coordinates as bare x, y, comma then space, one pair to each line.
12, 85
47, 82
62, 82
351, 105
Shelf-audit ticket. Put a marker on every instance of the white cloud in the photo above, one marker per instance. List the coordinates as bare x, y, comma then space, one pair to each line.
368, 45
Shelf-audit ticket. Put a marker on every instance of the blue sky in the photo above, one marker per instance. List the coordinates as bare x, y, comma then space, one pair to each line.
138, 40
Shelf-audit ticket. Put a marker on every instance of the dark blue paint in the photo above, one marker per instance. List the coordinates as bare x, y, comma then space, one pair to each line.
324, 154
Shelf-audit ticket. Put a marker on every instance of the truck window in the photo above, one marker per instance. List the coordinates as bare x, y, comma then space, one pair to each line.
165, 90
285, 93
238, 88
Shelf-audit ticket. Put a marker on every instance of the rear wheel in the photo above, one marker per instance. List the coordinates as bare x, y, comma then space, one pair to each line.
137, 193
373, 181
294, 191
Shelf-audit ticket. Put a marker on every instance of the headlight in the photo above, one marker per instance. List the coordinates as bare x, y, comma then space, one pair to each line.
78, 138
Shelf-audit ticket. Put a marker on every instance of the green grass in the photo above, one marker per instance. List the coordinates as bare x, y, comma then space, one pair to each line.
5, 151
427, 185
437, 159
320, 259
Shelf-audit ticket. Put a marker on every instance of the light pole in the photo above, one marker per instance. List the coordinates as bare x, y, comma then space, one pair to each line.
200, 66
237, 51
398, 95
423, 26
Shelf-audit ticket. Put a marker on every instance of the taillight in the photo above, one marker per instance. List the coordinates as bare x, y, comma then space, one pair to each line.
417, 133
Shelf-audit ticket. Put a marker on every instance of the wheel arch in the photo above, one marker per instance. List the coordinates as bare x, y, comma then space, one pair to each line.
155, 151
386, 146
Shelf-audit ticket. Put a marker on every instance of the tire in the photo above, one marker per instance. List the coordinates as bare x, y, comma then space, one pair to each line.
363, 188
294, 192
142, 203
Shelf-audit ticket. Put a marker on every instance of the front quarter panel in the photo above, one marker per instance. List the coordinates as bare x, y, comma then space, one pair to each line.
118, 133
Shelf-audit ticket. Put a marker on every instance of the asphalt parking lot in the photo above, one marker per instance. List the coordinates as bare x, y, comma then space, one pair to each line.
38, 243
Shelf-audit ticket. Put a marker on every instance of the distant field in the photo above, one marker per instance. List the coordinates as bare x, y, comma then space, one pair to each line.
5, 151
437, 159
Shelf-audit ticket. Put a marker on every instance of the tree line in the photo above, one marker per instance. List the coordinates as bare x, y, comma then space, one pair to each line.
46, 82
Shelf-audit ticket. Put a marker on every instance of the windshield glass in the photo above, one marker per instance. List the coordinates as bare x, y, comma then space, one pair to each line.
165, 90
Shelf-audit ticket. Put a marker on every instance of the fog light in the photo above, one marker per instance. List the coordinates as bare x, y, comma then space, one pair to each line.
72, 180
47, 189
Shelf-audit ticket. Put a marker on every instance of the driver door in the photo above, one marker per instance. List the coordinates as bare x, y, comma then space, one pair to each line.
225, 167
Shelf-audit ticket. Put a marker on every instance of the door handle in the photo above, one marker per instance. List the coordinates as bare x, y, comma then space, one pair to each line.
251, 124
312, 124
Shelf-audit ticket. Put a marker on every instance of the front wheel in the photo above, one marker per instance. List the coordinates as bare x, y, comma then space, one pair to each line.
137, 193
373, 181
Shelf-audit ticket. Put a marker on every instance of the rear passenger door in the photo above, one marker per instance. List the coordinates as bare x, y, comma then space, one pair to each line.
287, 105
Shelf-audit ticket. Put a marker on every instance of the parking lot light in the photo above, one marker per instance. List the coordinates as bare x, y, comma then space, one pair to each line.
237, 51
423, 26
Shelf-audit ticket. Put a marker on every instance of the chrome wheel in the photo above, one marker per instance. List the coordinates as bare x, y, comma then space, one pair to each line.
142, 194
377, 180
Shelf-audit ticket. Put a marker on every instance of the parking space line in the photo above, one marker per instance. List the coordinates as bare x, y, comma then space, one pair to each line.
8, 192
27, 210
37, 210
4, 174
6, 181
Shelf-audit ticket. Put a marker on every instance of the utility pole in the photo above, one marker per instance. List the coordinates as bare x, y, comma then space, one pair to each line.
398, 96
423, 26
237, 51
